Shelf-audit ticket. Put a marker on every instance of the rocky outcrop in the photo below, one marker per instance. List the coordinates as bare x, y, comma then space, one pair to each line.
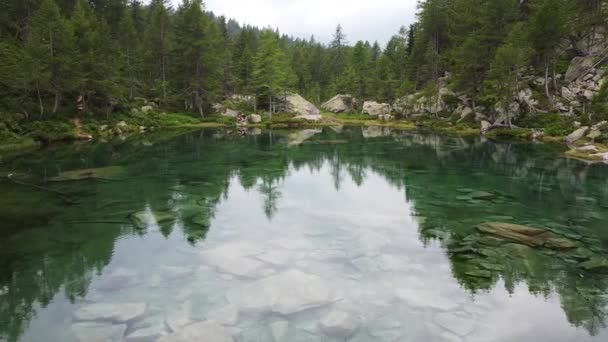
419, 104
579, 66
219, 108
373, 108
590, 153
583, 81
340, 104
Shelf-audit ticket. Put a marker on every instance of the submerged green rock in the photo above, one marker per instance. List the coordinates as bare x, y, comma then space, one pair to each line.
596, 264
482, 195
110, 172
530, 236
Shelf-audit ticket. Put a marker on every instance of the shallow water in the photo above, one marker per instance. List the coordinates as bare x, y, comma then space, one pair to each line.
316, 235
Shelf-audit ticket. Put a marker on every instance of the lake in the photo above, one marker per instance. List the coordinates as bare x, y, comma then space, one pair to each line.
333, 234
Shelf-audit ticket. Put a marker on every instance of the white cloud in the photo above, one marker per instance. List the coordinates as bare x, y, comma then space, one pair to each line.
362, 19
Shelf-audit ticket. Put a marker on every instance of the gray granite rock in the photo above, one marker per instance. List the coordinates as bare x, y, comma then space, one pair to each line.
98, 332
114, 312
285, 293
200, 332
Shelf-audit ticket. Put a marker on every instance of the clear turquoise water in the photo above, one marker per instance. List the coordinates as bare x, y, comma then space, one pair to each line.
380, 222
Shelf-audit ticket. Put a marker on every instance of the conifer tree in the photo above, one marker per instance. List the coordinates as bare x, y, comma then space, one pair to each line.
129, 50
198, 67
272, 73
156, 49
49, 47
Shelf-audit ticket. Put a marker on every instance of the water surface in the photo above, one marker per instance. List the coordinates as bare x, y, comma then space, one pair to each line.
317, 235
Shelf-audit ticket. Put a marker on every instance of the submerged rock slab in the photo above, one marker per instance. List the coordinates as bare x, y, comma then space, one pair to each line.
98, 332
234, 258
286, 293
530, 236
279, 330
114, 312
200, 332
599, 265
339, 324
455, 323
110, 172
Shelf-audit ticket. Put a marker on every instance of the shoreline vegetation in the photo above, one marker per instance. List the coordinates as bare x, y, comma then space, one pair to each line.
33, 136
81, 70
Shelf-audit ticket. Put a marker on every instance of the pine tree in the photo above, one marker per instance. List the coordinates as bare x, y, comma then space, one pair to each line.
197, 53
49, 47
92, 66
156, 48
547, 27
129, 49
272, 73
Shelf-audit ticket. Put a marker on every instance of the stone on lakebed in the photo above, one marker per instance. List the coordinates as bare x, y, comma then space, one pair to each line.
530, 236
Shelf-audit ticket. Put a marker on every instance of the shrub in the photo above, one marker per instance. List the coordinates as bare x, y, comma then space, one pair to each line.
553, 124
516, 133
48, 131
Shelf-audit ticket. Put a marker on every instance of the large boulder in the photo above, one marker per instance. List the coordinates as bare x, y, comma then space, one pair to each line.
254, 118
526, 97
296, 104
373, 108
579, 66
404, 106
340, 104
568, 94
225, 111
578, 134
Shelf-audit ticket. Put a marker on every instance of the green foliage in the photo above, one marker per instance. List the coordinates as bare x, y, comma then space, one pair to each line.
599, 105
272, 73
51, 130
554, 124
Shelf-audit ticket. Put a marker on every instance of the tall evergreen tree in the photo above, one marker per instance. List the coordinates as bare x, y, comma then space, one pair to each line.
198, 64
49, 46
156, 48
272, 73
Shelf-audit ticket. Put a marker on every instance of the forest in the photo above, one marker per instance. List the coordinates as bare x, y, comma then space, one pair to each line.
95, 58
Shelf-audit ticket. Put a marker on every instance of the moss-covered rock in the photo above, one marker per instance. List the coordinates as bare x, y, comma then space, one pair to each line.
530, 236
110, 172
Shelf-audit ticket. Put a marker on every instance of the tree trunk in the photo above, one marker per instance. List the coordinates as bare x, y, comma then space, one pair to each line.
39, 100
57, 101
555, 91
547, 81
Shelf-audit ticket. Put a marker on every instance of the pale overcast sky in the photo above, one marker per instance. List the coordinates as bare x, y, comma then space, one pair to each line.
361, 19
